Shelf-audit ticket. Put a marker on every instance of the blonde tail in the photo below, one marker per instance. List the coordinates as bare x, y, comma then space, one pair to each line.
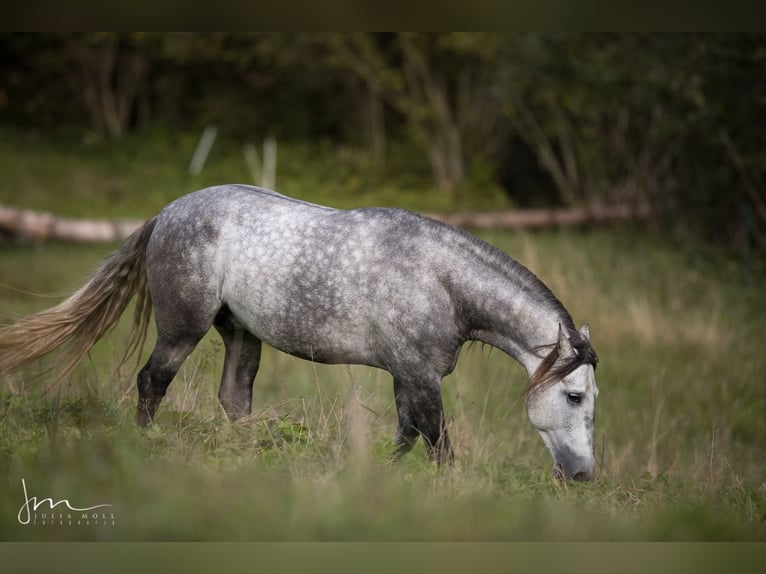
73, 326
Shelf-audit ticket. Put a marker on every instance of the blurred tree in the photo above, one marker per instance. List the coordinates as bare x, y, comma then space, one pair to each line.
672, 120
63, 79
35, 81
442, 84
667, 119
597, 125
256, 83
111, 74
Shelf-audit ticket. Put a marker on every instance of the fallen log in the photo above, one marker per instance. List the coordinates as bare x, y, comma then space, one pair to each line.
41, 226
544, 218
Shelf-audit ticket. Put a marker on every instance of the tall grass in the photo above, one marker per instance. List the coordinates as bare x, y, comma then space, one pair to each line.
680, 429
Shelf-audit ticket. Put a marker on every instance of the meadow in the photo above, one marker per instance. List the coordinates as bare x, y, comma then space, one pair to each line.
681, 426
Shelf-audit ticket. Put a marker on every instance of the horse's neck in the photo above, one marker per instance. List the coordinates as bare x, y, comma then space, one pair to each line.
508, 308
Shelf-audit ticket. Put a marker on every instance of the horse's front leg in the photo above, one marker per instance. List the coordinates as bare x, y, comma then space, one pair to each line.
421, 414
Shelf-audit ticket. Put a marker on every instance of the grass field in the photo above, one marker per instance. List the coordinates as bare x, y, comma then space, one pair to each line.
681, 427
681, 432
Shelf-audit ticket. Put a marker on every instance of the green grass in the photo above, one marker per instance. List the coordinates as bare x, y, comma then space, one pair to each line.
139, 175
680, 429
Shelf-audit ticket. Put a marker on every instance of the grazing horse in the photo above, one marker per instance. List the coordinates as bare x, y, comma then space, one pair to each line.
380, 287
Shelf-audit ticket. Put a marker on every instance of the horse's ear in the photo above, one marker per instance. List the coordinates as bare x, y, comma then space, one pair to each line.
565, 346
585, 332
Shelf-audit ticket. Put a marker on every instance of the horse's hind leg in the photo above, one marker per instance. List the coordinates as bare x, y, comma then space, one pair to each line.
180, 326
420, 411
153, 380
243, 356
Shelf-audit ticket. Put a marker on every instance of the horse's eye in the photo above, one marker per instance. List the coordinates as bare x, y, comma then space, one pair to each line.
574, 398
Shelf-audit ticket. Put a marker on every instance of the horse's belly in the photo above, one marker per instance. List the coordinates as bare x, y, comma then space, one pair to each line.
301, 331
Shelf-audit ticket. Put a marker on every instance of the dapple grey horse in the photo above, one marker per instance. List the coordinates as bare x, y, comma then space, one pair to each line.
380, 287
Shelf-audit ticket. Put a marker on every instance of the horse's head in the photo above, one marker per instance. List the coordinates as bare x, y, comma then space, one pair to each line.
561, 403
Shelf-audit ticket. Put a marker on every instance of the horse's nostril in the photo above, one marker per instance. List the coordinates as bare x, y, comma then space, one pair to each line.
581, 476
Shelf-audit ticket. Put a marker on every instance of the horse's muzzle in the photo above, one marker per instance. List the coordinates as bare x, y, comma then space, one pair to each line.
579, 473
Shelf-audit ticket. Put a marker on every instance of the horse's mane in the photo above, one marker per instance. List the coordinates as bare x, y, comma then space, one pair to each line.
552, 369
